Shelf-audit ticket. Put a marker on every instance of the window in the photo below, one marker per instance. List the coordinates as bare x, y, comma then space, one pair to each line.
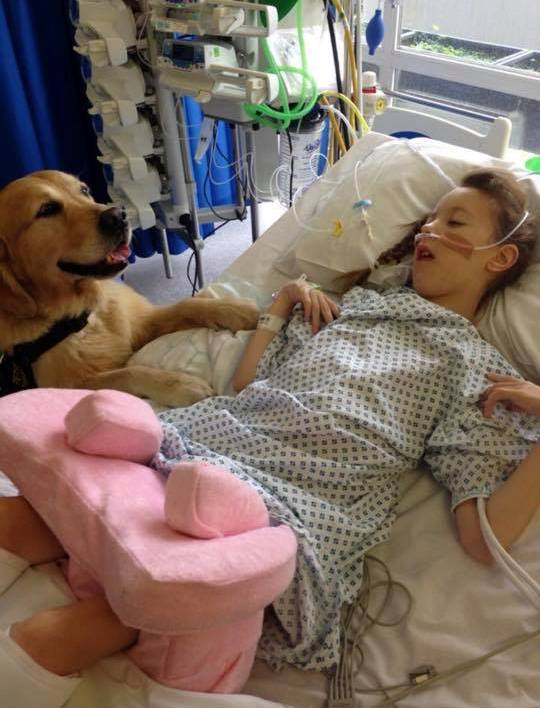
478, 59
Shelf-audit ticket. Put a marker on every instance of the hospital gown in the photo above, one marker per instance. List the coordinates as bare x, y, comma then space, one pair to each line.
326, 431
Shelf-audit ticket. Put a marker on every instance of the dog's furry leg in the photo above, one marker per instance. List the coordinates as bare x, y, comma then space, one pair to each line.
165, 387
224, 313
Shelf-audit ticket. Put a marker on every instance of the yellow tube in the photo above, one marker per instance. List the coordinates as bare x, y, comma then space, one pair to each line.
350, 45
354, 108
335, 126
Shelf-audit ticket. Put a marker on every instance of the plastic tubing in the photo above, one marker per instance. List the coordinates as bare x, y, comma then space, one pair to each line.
253, 110
353, 107
350, 44
335, 126
333, 109
303, 56
282, 93
305, 104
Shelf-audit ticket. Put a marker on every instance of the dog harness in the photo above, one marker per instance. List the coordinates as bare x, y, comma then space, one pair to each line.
16, 372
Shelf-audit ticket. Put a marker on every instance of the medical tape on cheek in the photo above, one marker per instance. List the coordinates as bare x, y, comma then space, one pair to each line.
456, 243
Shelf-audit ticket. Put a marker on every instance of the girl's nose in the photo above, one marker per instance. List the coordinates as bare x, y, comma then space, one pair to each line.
429, 226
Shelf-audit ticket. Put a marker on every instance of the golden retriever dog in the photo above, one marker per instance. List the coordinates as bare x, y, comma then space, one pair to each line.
59, 251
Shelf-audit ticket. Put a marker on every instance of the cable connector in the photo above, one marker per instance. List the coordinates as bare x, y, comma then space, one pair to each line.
422, 674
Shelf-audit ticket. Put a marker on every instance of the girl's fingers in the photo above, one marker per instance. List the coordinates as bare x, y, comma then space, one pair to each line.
513, 398
326, 312
490, 401
332, 307
306, 303
335, 308
315, 315
516, 394
503, 378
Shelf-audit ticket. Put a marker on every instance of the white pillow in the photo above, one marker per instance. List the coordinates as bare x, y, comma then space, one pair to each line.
511, 322
403, 179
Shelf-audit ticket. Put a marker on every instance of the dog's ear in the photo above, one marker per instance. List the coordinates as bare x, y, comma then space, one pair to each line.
13, 297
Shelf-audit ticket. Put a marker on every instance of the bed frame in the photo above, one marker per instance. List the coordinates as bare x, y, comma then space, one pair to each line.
407, 123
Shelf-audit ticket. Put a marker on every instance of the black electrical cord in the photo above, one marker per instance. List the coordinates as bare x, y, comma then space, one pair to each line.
291, 174
241, 215
330, 19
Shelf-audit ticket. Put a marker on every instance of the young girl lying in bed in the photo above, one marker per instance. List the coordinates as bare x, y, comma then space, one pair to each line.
333, 405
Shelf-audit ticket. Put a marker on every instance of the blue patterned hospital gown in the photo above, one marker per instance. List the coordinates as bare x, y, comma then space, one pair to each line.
329, 426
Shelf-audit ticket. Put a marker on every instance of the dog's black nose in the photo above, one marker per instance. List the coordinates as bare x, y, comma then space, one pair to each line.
113, 221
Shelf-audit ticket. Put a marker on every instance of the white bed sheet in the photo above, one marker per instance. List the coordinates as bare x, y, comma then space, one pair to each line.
461, 609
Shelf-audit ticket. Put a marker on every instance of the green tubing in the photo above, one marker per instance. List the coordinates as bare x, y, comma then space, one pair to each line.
281, 119
282, 93
285, 116
303, 57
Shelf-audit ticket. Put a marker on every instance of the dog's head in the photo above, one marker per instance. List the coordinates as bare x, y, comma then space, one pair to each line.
52, 233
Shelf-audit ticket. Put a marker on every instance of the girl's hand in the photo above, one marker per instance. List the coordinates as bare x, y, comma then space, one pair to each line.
516, 394
318, 307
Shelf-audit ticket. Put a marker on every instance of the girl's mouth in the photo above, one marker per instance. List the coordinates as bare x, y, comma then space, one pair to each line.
423, 253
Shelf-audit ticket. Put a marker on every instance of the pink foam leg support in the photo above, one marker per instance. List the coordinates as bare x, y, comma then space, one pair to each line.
188, 595
206, 501
114, 424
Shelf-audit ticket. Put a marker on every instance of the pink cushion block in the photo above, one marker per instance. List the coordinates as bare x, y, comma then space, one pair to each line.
108, 514
217, 659
114, 424
206, 501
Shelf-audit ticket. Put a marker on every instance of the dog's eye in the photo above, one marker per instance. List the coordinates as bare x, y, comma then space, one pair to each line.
49, 209
85, 191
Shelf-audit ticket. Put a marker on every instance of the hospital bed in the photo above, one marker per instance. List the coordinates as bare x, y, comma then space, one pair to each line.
452, 632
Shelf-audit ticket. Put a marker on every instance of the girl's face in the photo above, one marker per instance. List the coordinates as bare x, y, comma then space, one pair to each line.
445, 269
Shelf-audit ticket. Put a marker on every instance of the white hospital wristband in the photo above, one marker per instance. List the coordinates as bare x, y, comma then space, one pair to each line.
272, 323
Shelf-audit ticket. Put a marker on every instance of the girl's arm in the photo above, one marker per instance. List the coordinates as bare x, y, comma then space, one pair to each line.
318, 308
512, 505
509, 509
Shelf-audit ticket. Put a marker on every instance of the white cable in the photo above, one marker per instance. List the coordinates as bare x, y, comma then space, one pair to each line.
321, 177
295, 198
521, 579
464, 667
333, 109
142, 58
432, 163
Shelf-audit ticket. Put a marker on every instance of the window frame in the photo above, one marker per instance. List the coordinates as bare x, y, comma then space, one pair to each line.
391, 58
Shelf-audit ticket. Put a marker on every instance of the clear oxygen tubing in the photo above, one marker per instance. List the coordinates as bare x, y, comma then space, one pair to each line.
519, 577
464, 245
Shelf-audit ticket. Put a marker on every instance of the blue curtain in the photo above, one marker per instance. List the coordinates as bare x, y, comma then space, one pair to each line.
44, 122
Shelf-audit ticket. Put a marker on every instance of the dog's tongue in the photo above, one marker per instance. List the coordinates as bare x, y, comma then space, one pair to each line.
119, 254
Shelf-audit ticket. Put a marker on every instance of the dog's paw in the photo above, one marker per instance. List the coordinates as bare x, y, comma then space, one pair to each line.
235, 315
183, 390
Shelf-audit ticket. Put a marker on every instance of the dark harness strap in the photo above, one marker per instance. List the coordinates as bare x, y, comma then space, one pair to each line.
16, 369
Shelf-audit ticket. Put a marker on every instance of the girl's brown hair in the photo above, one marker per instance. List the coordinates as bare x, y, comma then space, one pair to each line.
510, 201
